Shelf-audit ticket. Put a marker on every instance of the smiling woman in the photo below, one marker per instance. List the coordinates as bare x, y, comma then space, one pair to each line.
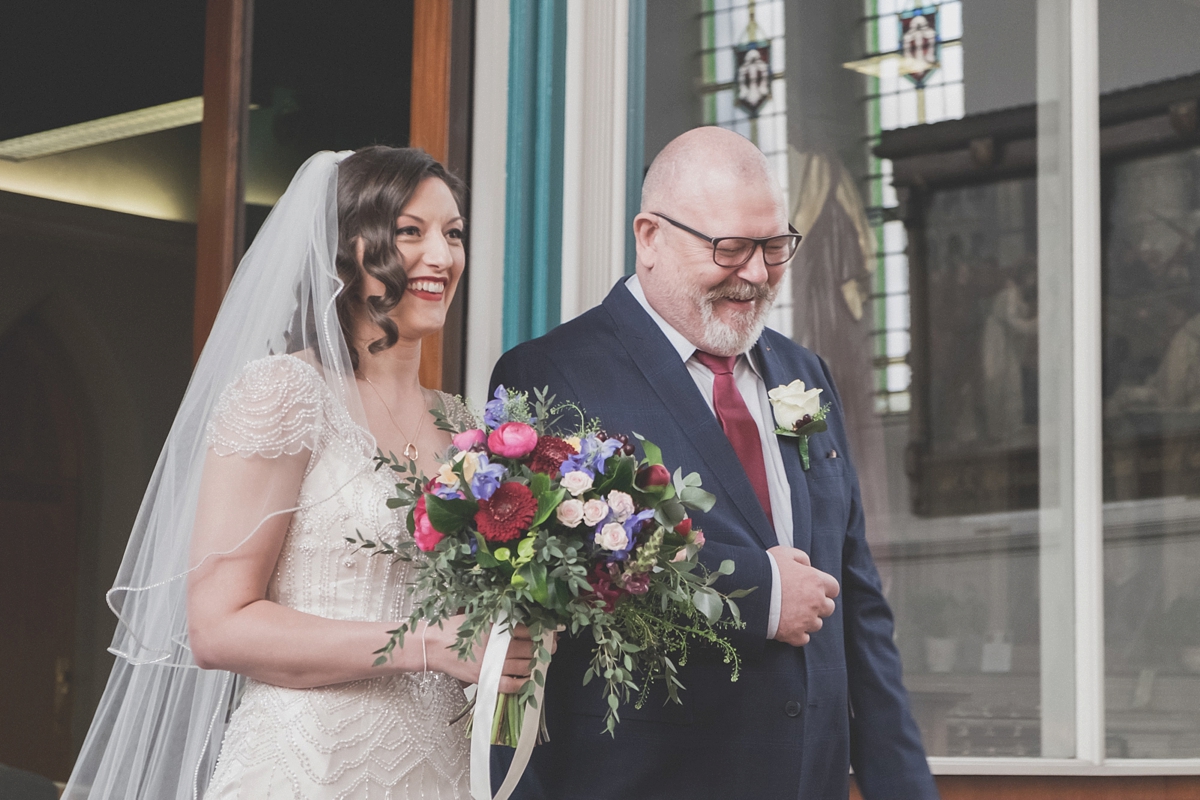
378, 231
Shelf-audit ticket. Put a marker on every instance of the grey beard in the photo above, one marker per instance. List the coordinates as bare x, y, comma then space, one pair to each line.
722, 339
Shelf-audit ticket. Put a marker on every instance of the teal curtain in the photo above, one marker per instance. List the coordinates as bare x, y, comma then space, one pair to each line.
533, 211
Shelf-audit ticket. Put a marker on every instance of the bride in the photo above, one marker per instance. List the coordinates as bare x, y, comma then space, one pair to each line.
246, 620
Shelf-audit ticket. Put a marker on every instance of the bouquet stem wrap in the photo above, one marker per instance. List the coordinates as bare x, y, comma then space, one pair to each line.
488, 694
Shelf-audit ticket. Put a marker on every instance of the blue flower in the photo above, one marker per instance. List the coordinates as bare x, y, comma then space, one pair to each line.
593, 454
493, 411
576, 463
446, 492
605, 452
487, 479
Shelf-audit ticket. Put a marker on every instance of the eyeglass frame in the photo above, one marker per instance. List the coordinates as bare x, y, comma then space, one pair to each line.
760, 242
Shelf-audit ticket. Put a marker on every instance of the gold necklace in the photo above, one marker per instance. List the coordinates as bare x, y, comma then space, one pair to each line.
411, 443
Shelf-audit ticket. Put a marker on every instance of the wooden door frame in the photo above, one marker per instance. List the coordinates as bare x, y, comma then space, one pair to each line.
221, 210
440, 123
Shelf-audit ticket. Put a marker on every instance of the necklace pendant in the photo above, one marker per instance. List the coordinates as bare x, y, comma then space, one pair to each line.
411, 452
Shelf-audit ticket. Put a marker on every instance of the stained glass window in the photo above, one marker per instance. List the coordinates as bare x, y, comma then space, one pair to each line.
734, 35
913, 61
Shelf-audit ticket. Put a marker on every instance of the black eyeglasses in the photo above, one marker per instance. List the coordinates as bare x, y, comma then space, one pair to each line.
732, 252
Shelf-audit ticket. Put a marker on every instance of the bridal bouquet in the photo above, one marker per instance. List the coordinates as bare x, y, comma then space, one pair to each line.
531, 522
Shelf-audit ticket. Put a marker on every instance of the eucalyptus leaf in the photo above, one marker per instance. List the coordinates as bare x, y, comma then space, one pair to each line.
653, 451
697, 498
708, 603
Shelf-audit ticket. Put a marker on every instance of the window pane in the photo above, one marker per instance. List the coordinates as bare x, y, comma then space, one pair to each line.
1150, 208
934, 278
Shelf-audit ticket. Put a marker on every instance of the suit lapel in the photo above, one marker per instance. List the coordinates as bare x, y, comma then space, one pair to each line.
775, 374
669, 377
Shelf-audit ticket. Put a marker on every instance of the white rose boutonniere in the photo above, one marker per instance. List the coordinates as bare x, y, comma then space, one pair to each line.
798, 414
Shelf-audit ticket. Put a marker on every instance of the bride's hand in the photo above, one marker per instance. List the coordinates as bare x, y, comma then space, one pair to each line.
518, 661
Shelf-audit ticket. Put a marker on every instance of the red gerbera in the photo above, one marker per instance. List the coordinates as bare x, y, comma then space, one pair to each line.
549, 455
507, 514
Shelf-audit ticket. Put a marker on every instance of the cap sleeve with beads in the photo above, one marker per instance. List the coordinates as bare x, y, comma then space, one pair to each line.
275, 407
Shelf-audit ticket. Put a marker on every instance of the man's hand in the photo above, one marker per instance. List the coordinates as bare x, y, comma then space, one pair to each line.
806, 595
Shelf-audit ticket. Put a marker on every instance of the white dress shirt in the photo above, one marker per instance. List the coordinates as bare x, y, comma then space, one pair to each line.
748, 378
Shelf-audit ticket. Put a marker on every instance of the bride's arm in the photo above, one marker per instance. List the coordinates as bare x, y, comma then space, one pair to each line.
232, 626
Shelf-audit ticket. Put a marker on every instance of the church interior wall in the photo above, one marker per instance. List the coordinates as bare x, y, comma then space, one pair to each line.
116, 290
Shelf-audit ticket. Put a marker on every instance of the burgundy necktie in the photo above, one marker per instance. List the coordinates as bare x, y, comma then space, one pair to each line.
738, 425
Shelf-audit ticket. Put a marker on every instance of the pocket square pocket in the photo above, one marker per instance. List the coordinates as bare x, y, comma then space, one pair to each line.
828, 467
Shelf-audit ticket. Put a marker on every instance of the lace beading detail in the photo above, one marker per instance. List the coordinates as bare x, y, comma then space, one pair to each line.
272, 409
386, 737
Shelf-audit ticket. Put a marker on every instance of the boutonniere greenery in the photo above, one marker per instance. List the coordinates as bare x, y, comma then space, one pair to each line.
798, 414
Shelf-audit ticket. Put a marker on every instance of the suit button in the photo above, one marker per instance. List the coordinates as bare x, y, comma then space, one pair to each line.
791, 708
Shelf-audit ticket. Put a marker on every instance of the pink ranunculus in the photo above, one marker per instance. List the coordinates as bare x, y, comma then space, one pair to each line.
425, 535
512, 440
468, 439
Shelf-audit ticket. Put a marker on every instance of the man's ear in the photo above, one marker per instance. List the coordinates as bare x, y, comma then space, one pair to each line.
645, 238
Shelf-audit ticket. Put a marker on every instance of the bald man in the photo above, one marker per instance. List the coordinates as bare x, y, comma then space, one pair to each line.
679, 353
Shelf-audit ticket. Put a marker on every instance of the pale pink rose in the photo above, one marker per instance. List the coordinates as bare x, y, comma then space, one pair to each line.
696, 537
570, 513
594, 511
621, 505
468, 439
612, 536
576, 482
512, 440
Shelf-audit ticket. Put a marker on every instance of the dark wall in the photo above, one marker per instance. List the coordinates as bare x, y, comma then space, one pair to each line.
116, 291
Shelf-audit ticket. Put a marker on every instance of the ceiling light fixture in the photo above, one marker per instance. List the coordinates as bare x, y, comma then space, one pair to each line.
107, 129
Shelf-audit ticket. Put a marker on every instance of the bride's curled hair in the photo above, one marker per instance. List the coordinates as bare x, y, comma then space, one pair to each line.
374, 186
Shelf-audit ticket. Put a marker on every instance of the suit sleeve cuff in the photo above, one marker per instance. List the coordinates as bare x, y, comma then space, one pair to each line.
776, 599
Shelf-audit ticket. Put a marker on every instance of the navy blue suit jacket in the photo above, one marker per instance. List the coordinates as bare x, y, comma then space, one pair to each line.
798, 717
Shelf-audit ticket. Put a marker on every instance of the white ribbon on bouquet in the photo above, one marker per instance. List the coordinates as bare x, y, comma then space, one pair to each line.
490, 672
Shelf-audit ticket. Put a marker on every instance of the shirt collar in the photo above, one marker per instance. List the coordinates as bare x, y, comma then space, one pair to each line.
682, 346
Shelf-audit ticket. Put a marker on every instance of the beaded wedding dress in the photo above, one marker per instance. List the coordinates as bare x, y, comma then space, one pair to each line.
386, 738
168, 729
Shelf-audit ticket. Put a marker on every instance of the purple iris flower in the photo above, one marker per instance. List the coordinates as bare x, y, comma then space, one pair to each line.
602, 451
576, 463
447, 492
493, 411
592, 456
487, 479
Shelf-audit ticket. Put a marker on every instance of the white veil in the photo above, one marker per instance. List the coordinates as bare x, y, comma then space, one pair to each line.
161, 721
